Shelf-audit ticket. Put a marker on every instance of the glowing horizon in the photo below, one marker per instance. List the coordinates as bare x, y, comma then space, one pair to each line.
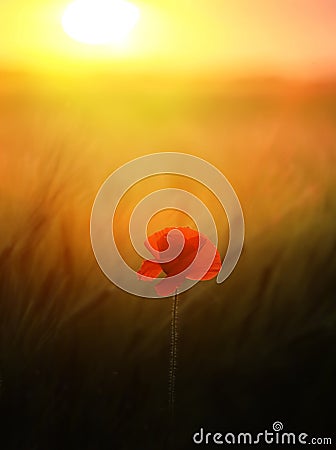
292, 36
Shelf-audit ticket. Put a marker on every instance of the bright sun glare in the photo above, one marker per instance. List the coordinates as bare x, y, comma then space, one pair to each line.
99, 22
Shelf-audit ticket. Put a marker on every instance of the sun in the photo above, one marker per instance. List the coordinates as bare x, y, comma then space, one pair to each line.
99, 22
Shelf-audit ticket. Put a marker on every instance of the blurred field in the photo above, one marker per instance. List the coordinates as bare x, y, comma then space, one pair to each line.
84, 365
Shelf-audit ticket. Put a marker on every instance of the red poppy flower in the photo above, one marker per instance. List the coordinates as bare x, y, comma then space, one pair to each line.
197, 258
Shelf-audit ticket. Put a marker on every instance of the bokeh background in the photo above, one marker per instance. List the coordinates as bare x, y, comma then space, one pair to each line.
248, 86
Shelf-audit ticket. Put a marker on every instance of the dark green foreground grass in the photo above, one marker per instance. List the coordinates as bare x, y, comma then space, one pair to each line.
85, 366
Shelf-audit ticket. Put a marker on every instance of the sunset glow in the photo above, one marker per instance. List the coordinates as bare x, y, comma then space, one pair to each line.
292, 37
99, 22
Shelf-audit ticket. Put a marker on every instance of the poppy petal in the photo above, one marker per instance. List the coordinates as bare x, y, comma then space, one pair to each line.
158, 240
184, 259
169, 285
197, 251
199, 271
149, 269
170, 245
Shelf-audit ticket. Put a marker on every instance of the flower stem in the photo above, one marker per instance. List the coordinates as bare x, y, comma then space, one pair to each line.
173, 354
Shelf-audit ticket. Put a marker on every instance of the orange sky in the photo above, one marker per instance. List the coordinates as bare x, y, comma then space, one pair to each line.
280, 36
